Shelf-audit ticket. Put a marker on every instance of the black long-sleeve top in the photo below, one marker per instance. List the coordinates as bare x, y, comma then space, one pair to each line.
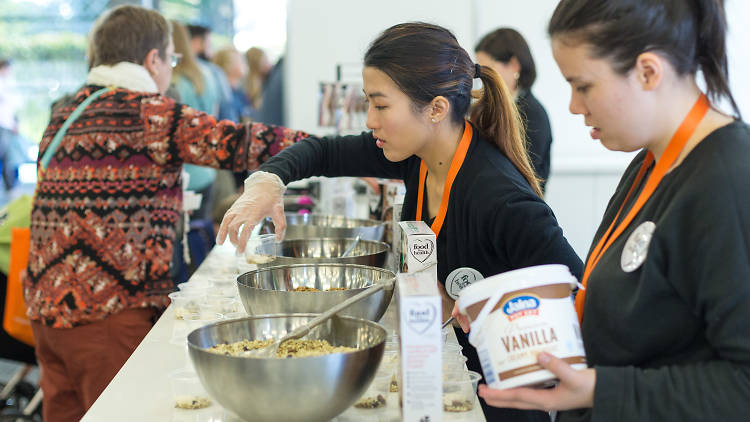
538, 133
494, 222
670, 341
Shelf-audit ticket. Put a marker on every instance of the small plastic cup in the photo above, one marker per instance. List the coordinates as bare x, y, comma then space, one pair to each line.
235, 315
372, 404
223, 282
454, 348
224, 267
460, 391
197, 286
187, 391
201, 319
392, 346
453, 362
262, 249
244, 267
185, 303
220, 304
390, 362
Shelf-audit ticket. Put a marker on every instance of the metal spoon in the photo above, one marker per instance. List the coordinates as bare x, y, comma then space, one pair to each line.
271, 350
352, 246
447, 322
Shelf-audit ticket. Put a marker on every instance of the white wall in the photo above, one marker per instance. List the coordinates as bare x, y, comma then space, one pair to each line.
323, 33
584, 174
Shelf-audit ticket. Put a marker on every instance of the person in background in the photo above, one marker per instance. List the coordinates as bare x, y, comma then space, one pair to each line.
233, 65
469, 180
231, 62
666, 303
200, 44
257, 74
506, 51
272, 107
106, 208
197, 88
9, 105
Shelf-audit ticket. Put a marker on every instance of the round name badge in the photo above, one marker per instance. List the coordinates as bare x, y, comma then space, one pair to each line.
636, 248
460, 278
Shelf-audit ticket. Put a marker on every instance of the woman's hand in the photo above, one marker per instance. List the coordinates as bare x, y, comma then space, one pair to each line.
575, 390
462, 320
262, 197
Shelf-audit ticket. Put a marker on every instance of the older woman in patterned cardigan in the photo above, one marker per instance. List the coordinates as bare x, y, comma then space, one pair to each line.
105, 212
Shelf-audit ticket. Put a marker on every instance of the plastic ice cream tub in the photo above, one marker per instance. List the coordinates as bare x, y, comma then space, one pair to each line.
518, 314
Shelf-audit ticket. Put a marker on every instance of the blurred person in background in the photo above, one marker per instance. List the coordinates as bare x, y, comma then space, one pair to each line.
200, 44
106, 208
233, 65
506, 51
258, 69
9, 105
197, 88
272, 107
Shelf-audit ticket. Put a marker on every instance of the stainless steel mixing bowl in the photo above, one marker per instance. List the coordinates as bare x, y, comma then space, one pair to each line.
271, 290
305, 226
325, 250
305, 389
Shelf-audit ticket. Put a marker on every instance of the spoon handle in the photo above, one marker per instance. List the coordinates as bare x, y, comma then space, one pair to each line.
304, 329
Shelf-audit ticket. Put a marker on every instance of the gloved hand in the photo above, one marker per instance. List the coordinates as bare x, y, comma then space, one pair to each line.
262, 197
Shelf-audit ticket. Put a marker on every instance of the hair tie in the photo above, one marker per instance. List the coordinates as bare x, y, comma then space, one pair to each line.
477, 71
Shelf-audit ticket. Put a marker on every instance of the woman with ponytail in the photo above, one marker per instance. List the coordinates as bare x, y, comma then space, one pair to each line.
666, 307
471, 181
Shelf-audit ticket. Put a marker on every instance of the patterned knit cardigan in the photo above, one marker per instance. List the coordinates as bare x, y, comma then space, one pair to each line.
104, 216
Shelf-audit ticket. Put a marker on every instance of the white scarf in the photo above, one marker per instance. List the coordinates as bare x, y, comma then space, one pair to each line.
131, 76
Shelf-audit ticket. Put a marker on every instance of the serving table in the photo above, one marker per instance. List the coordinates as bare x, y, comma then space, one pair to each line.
141, 389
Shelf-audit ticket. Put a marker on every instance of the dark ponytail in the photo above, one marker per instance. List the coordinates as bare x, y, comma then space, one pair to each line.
497, 118
425, 61
691, 34
711, 50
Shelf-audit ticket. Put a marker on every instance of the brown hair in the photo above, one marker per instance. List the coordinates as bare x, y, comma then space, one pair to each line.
426, 61
127, 34
691, 34
188, 65
502, 45
256, 76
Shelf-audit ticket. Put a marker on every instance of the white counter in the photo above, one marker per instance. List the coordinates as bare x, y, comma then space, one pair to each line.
141, 392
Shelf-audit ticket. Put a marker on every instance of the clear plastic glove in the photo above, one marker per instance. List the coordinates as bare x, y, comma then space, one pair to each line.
262, 198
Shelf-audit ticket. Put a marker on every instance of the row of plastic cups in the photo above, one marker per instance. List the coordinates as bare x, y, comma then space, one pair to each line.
459, 394
187, 391
194, 320
186, 302
447, 347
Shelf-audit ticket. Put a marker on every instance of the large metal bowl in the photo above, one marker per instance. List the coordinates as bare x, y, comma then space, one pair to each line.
299, 389
325, 250
271, 290
305, 226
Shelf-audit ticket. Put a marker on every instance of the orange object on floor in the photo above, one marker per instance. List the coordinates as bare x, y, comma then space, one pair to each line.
15, 321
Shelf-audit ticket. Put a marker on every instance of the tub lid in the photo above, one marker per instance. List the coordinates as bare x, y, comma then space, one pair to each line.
513, 280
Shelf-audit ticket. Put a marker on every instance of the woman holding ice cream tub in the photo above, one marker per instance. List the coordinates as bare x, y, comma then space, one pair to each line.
667, 300
471, 181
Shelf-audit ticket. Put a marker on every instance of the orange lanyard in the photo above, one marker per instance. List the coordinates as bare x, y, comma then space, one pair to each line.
458, 160
676, 144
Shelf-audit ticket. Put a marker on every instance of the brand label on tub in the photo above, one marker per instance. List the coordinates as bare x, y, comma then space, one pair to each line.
521, 306
523, 324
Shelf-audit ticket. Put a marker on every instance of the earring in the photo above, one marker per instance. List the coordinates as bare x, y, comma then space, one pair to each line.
434, 120
516, 75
